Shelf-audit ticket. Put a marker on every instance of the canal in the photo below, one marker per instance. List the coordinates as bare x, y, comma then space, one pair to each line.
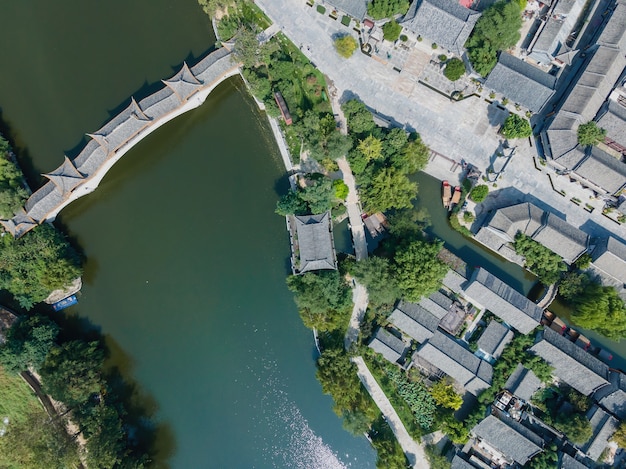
186, 260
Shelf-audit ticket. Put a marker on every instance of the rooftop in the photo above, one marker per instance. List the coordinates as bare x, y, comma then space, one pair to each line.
523, 383
355, 8
610, 257
571, 364
494, 339
388, 345
603, 426
510, 438
414, 320
316, 249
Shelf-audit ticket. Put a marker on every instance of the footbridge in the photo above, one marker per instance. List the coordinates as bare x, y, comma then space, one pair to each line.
75, 178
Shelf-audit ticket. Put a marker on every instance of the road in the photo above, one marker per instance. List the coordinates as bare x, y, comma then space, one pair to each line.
414, 452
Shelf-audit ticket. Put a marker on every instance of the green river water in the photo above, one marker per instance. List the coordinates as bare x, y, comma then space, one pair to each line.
186, 259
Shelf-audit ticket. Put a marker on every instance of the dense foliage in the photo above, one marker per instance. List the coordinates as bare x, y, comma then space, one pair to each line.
516, 127
389, 452
416, 396
73, 372
619, 436
455, 69
391, 30
12, 192
379, 9
436, 460
547, 265
445, 396
378, 276
324, 299
418, 269
318, 196
346, 45
600, 309
34, 265
479, 193
497, 29
590, 134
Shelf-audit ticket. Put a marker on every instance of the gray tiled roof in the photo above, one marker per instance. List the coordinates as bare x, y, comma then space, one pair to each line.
66, 177
569, 462
562, 238
521, 82
459, 463
614, 32
457, 362
523, 383
388, 345
614, 122
494, 339
454, 281
489, 292
19, 224
610, 257
613, 397
43, 201
434, 308
603, 170
355, 8
603, 426
160, 103
444, 22
414, 320
520, 447
91, 158
122, 127
184, 83
571, 364
525, 218
315, 242
556, 30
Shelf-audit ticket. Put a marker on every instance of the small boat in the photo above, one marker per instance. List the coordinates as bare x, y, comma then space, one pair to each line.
65, 303
446, 194
456, 197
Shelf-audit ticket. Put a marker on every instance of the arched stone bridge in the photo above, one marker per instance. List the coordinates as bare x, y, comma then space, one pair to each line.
75, 178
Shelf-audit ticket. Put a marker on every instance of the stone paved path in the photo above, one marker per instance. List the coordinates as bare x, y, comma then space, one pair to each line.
359, 301
414, 452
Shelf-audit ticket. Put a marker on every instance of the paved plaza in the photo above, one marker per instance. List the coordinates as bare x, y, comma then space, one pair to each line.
463, 130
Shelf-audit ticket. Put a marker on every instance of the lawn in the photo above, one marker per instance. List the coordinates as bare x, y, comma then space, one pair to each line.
17, 400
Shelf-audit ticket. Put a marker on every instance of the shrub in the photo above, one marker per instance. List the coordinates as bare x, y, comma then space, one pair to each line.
442, 57
391, 30
321, 9
505, 101
454, 70
590, 133
345, 20
468, 217
546, 264
516, 127
404, 37
479, 193
419, 39
345, 46
434, 45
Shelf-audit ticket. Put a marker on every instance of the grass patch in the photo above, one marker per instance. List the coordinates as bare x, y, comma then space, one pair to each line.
345, 20
17, 400
320, 9
294, 143
246, 13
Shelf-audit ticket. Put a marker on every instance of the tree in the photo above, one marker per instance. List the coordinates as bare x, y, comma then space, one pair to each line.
590, 134
389, 454
391, 31
371, 148
573, 284
291, 204
345, 46
71, 372
436, 460
360, 120
28, 343
619, 436
497, 29
340, 189
583, 261
106, 447
455, 69
547, 265
379, 9
407, 224
516, 127
12, 193
36, 264
444, 395
576, 427
319, 194
211, 7
600, 309
389, 188
412, 158
547, 459
247, 49
377, 276
323, 299
418, 269
479, 193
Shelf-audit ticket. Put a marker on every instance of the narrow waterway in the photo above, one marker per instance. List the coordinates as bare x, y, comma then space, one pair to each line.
186, 258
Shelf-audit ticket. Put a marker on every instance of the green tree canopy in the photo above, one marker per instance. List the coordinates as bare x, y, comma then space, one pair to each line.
34, 265
619, 436
323, 299
455, 69
479, 193
360, 120
516, 127
28, 343
247, 49
418, 269
318, 194
412, 158
590, 134
576, 427
497, 29
378, 277
291, 204
345, 46
444, 395
389, 188
371, 148
379, 9
573, 284
12, 193
547, 265
600, 309
341, 189
71, 372
391, 30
